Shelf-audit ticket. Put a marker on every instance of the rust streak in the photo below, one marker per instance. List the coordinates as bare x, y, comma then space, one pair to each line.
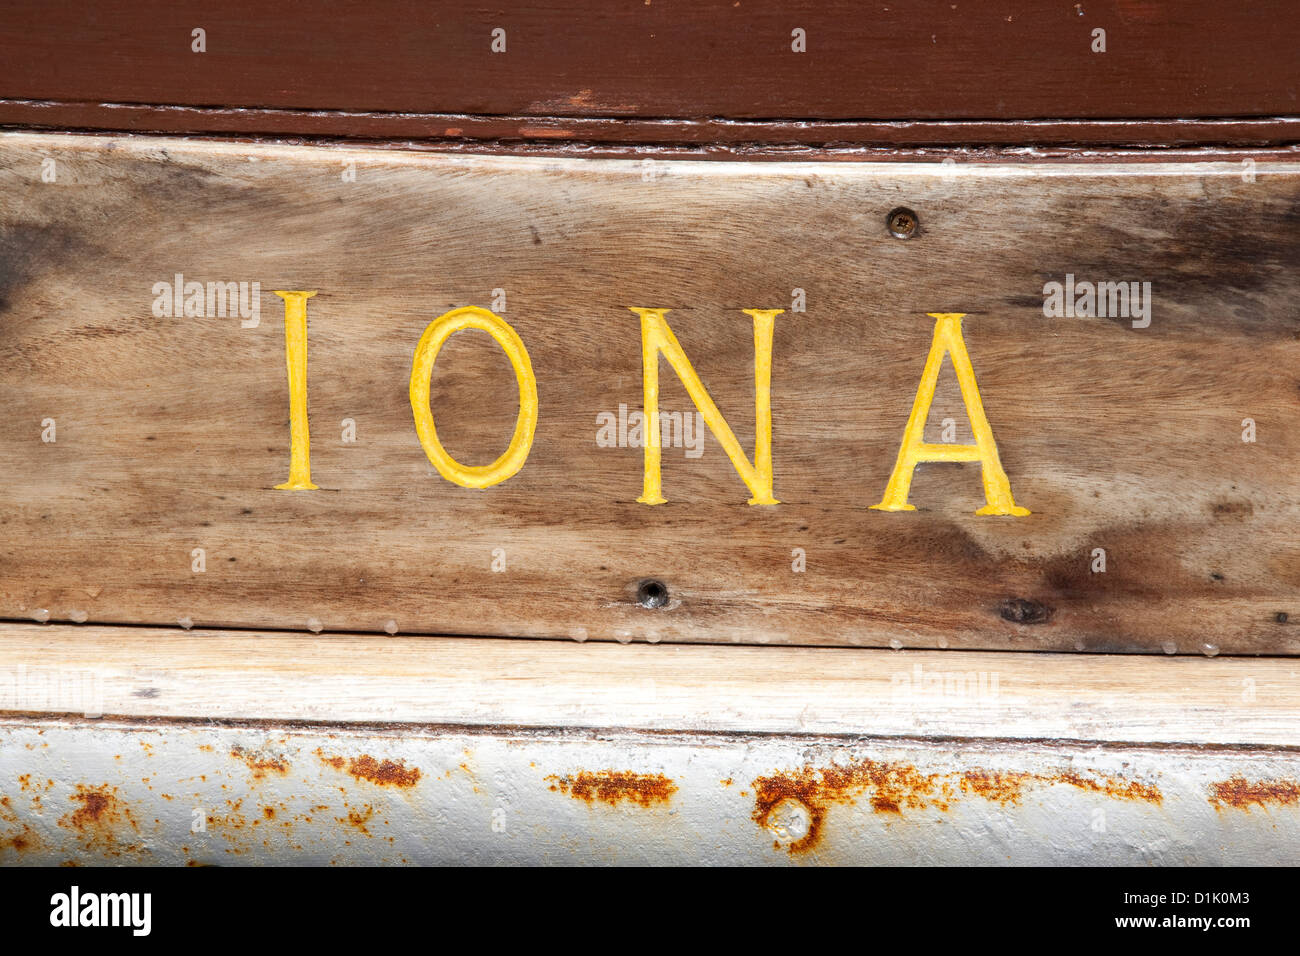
615, 786
1008, 787
1114, 787
383, 773
1240, 794
1002, 788
260, 762
893, 788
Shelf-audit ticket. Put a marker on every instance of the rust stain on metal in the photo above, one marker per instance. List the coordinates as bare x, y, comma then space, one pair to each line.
1240, 794
99, 806
21, 841
337, 763
103, 818
21, 837
892, 788
1006, 788
232, 826
35, 790
383, 773
358, 818
805, 789
615, 786
1002, 788
260, 762
1114, 787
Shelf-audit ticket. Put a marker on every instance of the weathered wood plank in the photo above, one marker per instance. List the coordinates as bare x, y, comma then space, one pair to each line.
173, 432
285, 678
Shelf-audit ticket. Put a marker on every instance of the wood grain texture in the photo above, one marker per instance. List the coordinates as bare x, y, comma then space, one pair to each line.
173, 432
283, 678
999, 59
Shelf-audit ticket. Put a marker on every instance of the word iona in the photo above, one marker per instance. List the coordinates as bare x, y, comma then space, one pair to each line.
657, 340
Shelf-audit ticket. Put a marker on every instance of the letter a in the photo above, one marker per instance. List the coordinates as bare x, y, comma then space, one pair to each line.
997, 489
657, 337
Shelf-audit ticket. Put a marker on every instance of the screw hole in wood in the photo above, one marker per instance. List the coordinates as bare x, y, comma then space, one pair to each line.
652, 594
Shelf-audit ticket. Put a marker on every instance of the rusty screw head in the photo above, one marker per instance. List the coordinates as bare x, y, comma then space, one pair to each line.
652, 594
902, 223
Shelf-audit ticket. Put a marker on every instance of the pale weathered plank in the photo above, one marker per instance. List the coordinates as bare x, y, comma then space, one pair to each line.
277, 677
173, 432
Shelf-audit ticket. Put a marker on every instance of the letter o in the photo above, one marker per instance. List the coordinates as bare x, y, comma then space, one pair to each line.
426, 353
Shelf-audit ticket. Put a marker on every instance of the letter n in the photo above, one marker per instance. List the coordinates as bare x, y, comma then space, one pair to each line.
657, 338
914, 450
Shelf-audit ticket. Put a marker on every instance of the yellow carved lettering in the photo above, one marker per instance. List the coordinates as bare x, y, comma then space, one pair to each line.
997, 488
295, 360
656, 338
426, 353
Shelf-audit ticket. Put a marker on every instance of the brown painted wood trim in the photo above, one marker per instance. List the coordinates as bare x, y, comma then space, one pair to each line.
741, 59
464, 130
